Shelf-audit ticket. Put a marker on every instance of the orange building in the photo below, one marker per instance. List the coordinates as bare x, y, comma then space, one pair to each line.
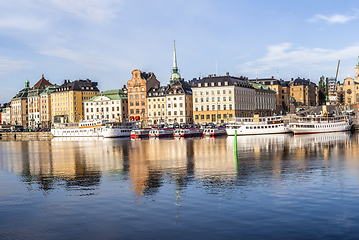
137, 94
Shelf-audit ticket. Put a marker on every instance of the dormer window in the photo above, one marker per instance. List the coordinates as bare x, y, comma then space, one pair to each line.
226, 83
199, 85
206, 84
219, 83
212, 84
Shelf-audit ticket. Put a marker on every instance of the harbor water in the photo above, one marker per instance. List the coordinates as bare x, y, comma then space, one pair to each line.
275, 187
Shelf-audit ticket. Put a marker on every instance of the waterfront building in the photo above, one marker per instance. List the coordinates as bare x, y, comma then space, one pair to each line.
348, 91
45, 106
34, 104
179, 103
137, 94
111, 105
67, 100
156, 103
332, 91
6, 114
304, 92
19, 107
265, 99
282, 90
175, 76
219, 99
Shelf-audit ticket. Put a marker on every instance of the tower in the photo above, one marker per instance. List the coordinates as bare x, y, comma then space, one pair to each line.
175, 76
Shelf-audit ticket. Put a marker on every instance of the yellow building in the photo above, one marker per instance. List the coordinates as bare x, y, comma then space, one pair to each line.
304, 92
67, 100
348, 91
19, 107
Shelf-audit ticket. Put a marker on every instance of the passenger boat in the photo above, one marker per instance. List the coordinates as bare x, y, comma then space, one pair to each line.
118, 129
95, 128
320, 124
140, 133
188, 132
214, 131
257, 125
80, 129
164, 132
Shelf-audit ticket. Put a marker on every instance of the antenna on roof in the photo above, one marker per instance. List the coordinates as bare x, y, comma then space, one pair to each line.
216, 67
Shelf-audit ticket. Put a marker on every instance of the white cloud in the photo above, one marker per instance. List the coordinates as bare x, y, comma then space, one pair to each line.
286, 55
93, 10
9, 66
332, 19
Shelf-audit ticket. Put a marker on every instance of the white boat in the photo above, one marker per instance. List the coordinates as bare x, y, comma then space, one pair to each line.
164, 132
118, 129
257, 125
214, 131
188, 132
320, 124
96, 128
80, 129
140, 133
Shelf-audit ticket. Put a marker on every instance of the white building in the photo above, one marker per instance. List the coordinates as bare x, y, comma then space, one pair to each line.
110, 105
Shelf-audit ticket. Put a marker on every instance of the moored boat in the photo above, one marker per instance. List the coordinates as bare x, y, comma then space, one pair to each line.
257, 126
140, 133
79, 129
164, 132
188, 132
312, 124
216, 131
118, 129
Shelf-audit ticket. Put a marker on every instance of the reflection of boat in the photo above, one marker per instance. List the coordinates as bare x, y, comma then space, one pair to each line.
319, 139
257, 125
118, 129
164, 132
214, 131
188, 132
277, 141
140, 133
320, 124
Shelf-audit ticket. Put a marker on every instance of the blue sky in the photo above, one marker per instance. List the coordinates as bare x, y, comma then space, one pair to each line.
104, 40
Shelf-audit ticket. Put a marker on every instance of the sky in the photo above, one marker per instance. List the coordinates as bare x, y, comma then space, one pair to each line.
105, 40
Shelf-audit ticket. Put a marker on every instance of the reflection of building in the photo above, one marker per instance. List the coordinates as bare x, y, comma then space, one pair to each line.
137, 91
111, 105
67, 100
19, 107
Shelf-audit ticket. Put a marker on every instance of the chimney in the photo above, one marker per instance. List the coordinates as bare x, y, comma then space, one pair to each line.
227, 73
272, 77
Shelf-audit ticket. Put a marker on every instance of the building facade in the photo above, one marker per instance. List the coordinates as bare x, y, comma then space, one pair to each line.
265, 100
19, 107
179, 103
137, 94
304, 92
282, 90
45, 106
111, 105
67, 100
34, 101
156, 103
220, 99
6, 114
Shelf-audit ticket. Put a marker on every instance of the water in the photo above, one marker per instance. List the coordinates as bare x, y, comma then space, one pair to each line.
277, 187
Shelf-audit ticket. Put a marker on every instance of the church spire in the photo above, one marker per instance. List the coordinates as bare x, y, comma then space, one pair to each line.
175, 76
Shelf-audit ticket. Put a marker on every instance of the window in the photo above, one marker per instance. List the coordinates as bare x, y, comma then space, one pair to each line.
207, 116
137, 103
142, 95
131, 104
142, 103
169, 113
196, 100
137, 96
219, 116
137, 110
196, 117
202, 116
207, 107
224, 91
131, 110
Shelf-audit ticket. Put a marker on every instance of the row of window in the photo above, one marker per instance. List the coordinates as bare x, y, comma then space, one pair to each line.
208, 116
107, 109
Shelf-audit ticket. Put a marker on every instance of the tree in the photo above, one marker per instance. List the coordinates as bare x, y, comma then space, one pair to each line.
322, 89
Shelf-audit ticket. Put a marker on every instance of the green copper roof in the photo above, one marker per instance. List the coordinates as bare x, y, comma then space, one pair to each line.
115, 94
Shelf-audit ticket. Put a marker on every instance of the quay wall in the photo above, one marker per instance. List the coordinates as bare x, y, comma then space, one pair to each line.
25, 136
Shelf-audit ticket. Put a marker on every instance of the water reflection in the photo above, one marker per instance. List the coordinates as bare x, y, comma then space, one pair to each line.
79, 165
